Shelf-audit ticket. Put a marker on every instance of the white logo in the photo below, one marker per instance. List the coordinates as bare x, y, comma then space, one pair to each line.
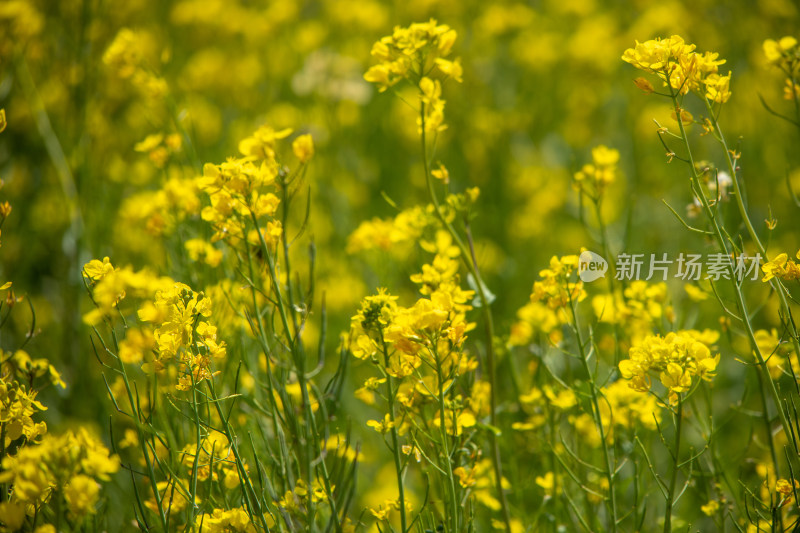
591, 266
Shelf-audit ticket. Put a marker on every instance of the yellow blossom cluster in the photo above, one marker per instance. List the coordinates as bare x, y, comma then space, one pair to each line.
182, 333
532, 318
781, 267
160, 147
413, 53
388, 234
600, 173
622, 408
681, 68
296, 500
638, 308
536, 403
110, 285
479, 480
676, 358
784, 54
557, 288
234, 520
778, 354
242, 190
66, 466
435, 324
419, 348
214, 458
411, 225
129, 57
18, 405
417, 53
160, 211
239, 189
383, 511
202, 250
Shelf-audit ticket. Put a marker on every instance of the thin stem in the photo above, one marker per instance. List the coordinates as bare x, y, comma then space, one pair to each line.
448, 461
720, 238
598, 417
395, 441
675, 467
251, 498
472, 267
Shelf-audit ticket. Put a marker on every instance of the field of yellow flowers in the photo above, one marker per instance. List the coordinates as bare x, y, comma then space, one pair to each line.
412, 267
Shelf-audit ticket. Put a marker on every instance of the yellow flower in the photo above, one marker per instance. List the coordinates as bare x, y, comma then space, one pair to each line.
96, 270
3, 122
13, 515
710, 508
547, 482
785, 487
381, 426
227, 521
677, 358
303, 147
681, 68
441, 174
261, 144
781, 267
775, 50
81, 494
695, 294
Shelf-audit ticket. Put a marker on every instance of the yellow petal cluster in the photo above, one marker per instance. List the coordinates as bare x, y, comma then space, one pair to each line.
676, 359
781, 267
681, 68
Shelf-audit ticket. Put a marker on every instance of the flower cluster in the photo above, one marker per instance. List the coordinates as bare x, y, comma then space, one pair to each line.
66, 466
417, 53
182, 333
537, 402
18, 404
213, 458
638, 308
781, 267
413, 53
225, 521
778, 354
109, 286
680, 68
128, 56
421, 347
557, 288
600, 173
159, 147
432, 325
387, 234
239, 189
783, 53
160, 211
623, 408
676, 358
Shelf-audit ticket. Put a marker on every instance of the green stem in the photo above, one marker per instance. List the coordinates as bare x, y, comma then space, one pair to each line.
448, 460
472, 267
720, 238
251, 498
675, 467
612, 289
395, 441
150, 470
598, 417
